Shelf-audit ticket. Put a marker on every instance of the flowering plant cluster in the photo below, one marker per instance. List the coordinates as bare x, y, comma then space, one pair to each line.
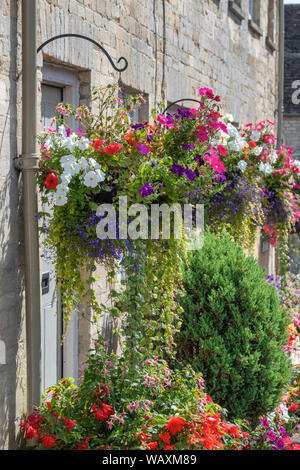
288, 291
195, 156
147, 406
276, 430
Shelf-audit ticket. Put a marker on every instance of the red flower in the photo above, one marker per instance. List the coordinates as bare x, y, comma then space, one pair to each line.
252, 144
166, 438
175, 425
222, 150
51, 181
112, 149
104, 414
169, 447
70, 424
30, 433
293, 407
98, 144
84, 446
48, 441
152, 445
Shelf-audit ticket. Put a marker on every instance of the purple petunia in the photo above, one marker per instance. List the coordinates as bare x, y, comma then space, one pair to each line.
137, 126
283, 431
143, 149
189, 174
264, 422
271, 436
188, 147
199, 159
178, 169
146, 190
280, 444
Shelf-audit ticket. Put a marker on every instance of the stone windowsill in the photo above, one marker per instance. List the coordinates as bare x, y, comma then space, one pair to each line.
236, 10
270, 44
255, 28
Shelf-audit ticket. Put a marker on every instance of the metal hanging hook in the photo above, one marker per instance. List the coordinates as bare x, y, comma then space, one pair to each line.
68, 35
179, 101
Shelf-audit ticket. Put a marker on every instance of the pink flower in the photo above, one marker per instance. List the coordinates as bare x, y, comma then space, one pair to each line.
218, 166
260, 127
269, 139
202, 134
222, 150
207, 92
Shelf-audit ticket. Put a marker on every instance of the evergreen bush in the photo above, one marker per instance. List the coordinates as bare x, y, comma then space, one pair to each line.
233, 329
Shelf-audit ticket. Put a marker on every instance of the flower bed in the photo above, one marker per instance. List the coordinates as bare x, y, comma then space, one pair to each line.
194, 156
117, 406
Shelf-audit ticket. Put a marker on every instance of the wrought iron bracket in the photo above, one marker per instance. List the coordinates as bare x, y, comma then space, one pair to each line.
179, 101
27, 162
80, 36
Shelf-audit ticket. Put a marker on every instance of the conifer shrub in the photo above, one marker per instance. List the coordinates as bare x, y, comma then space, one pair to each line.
233, 329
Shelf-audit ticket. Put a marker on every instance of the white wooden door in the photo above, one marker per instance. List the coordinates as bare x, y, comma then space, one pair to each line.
51, 322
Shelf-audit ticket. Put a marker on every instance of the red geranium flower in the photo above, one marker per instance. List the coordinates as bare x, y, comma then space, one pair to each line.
166, 438
293, 407
175, 425
48, 441
112, 149
51, 181
30, 433
152, 445
98, 144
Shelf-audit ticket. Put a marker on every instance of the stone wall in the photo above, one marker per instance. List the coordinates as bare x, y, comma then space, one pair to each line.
173, 47
291, 126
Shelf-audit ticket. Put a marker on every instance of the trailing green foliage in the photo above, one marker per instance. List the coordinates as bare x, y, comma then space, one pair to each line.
233, 329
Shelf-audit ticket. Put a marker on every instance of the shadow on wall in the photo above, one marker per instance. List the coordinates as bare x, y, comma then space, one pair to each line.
12, 381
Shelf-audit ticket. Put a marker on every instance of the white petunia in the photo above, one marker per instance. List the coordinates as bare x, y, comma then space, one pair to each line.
83, 143
257, 151
242, 165
265, 168
93, 164
91, 179
228, 117
60, 199
255, 136
237, 144
48, 142
83, 163
72, 169
62, 189
274, 157
232, 131
67, 160
100, 174
65, 178
62, 131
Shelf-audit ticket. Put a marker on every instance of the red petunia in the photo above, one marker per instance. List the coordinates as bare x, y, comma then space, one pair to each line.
51, 181
152, 445
98, 144
175, 425
30, 433
70, 424
293, 407
166, 438
48, 441
112, 149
